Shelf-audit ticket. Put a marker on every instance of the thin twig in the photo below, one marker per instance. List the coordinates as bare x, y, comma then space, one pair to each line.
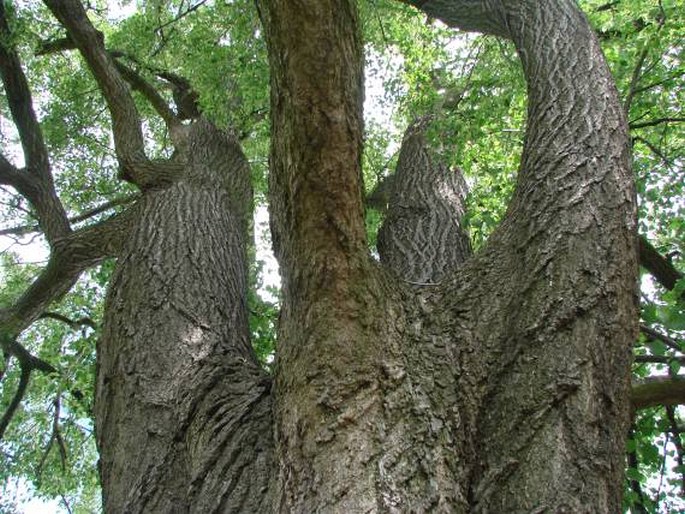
181, 15
26, 229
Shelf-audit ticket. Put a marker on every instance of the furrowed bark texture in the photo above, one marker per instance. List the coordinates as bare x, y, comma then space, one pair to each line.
421, 239
326, 378
555, 290
505, 388
183, 408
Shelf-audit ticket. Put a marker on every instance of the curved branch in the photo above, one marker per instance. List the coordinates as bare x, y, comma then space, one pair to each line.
20, 103
139, 84
654, 391
37, 184
73, 323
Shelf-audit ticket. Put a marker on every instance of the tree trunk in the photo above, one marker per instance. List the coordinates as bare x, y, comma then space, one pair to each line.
505, 387
497, 383
183, 408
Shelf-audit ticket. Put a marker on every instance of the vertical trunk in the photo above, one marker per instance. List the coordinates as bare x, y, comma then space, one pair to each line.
183, 408
365, 397
422, 239
555, 315
503, 390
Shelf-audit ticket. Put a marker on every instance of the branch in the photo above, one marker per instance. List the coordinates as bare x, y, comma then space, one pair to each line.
607, 6
654, 391
655, 151
16, 400
635, 79
55, 46
657, 121
11, 176
40, 191
659, 82
658, 359
74, 254
136, 81
126, 126
660, 267
673, 344
27, 229
73, 323
678, 442
55, 436
20, 102
160, 105
181, 15
634, 463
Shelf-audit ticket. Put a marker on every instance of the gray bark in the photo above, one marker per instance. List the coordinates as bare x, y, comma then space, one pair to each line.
506, 389
422, 238
176, 374
499, 385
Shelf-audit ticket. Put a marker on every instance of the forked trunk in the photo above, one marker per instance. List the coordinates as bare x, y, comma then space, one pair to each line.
497, 383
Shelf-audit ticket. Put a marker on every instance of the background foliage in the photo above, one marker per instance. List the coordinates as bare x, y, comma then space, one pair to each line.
472, 85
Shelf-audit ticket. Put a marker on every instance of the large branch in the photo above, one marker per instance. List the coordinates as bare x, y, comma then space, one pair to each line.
139, 84
660, 267
11, 176
654, 391
126, 125
37, 184
422, 238
317, 96
20, 103
70, 257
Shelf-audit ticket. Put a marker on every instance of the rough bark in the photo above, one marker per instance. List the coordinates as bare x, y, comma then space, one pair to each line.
183, 408
176, 372
555, 315
422, 239
507, 388
499, 385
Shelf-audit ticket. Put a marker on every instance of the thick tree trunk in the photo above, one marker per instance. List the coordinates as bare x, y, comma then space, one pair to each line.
504, 389
183, 409
493, 384
422, 238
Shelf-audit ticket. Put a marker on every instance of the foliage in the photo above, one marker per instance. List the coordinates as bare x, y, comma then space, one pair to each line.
472, 85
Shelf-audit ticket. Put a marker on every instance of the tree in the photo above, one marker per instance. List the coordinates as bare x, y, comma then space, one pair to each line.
433, 380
